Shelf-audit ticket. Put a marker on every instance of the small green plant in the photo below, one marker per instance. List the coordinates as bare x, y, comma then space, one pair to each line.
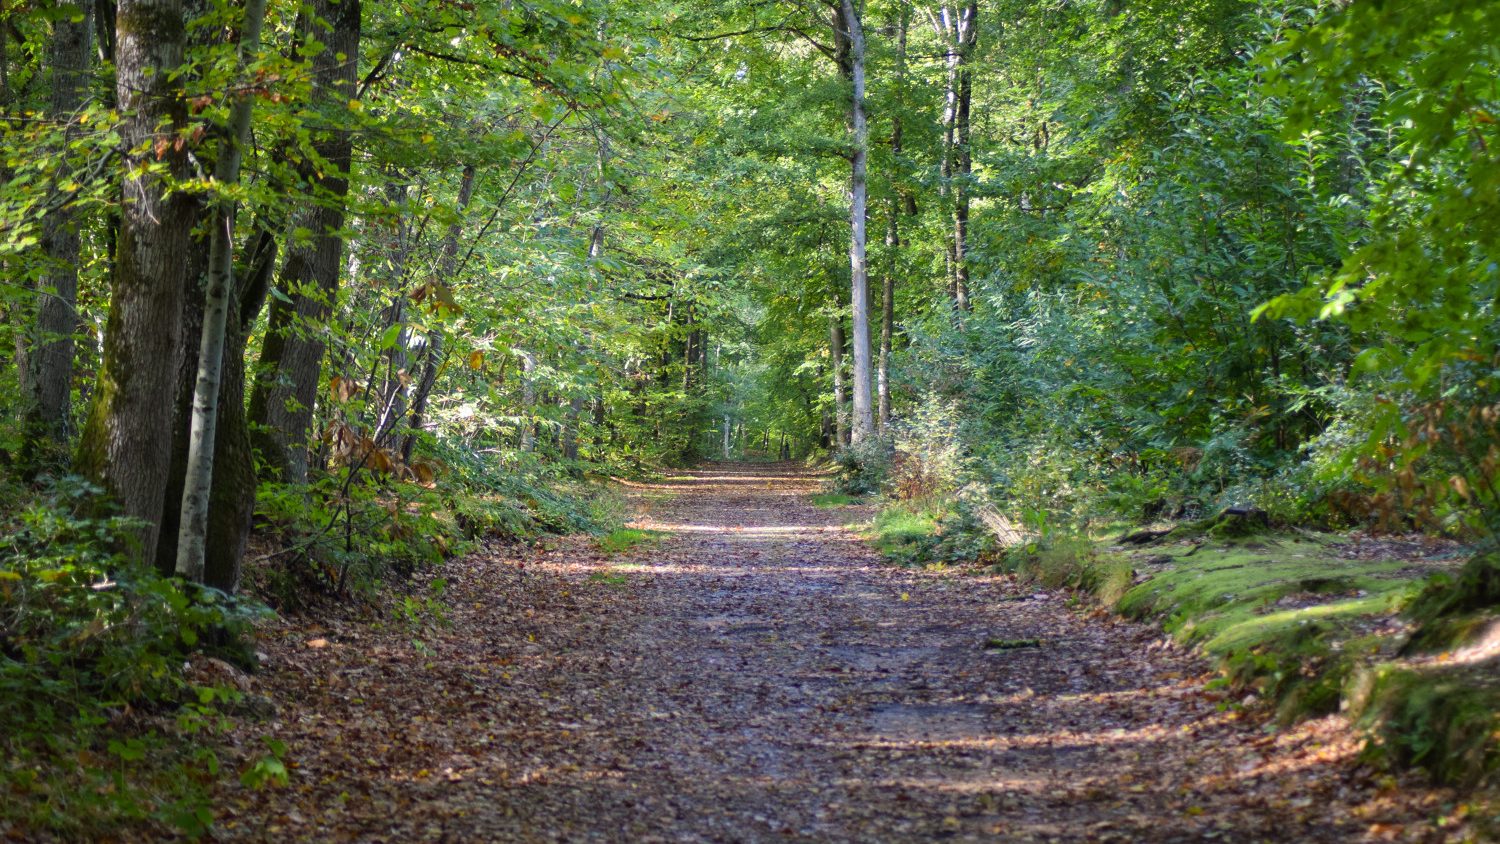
621, 540
269, 769
834, 499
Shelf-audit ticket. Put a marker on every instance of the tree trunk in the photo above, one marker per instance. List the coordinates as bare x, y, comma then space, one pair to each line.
390, 404
963, 166
836, 349
433, 356
197, 488
126, 442
528, 401
892, 233
863, 425
945, 25
51, 361
291, 360
570, 429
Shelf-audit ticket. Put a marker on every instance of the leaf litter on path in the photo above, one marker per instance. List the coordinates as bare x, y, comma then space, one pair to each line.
760, 675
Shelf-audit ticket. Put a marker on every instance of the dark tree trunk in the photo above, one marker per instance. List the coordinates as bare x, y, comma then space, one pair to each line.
291, 360
51, 360
963, 166
126, 442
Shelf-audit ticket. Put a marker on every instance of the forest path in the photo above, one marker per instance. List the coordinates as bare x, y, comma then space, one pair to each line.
760, 675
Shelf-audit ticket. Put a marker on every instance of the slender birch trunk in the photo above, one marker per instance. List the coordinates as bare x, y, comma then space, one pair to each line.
836, 349
192, 532
528, 401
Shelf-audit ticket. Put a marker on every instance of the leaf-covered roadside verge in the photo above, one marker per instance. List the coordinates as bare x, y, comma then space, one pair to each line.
128, 698
1398, 635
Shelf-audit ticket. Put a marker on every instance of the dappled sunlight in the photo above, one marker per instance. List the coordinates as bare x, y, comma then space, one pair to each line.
756, 667
736, 530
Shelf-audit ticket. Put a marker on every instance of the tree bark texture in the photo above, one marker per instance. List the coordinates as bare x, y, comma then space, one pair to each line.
528, 401
126, 442
290, 367
836, 352
963, 162
892, 234
863, 422
218, 298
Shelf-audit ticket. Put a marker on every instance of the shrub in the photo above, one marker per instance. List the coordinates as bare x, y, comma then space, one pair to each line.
862, 467
87, 637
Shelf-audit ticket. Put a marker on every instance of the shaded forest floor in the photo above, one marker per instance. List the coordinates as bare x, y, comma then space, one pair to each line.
756, 673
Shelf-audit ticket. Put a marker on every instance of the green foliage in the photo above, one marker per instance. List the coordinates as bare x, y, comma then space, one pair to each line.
862, 469
834, 499
621, 540
86, 637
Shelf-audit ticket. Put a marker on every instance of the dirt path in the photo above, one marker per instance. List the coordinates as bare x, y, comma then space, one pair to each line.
760, 676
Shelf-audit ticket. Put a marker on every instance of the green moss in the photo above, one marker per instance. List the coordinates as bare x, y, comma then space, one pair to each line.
1441, 719
1208, 592
1450, 610
1011, 644
1288, 620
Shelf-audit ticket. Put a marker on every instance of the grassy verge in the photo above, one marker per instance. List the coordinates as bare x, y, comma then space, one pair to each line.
1310, 623
621, 540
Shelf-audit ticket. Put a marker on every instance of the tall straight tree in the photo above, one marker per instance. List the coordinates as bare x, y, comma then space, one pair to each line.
51, 360
893, 228
192, 537
836, 355
850, 38
957, 30
126, 442
966, 37
286, 383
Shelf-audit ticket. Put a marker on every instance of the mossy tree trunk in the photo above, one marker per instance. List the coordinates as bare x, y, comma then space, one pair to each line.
126, 442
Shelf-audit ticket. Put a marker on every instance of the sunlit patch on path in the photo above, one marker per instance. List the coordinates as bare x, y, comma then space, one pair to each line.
759, 675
